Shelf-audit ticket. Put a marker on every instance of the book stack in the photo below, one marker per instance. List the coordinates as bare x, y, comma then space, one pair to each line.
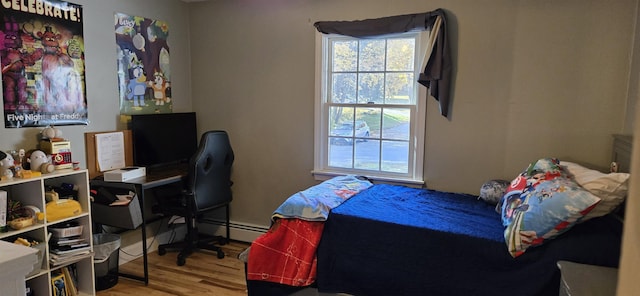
64, 249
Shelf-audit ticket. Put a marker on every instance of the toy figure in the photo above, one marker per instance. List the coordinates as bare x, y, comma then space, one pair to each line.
20, 161
36, 160
6, 165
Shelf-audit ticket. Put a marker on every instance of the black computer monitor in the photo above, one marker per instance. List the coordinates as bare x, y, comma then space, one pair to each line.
163, 139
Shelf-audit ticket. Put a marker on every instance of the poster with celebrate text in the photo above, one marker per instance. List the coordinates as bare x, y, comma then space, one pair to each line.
43, 71
144, 76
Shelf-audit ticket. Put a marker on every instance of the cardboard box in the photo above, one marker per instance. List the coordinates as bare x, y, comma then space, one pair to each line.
122, 216
124, 174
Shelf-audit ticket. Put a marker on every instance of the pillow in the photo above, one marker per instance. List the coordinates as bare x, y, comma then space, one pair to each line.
611, 188
542, 203
493, 190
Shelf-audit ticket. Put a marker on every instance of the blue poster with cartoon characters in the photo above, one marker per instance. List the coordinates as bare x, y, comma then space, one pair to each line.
144, 76
42, 55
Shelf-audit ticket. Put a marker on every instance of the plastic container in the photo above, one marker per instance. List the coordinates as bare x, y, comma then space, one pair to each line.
40, 264
106, 248
66, 231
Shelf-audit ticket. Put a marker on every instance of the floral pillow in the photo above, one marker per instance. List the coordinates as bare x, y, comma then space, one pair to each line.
542, 203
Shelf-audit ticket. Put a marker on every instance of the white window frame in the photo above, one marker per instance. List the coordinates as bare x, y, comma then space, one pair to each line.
321, 170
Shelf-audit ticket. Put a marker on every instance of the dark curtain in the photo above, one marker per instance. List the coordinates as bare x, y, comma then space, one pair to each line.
437, 73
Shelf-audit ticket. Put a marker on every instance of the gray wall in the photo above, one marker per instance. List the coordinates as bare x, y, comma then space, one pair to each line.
532, 79
101, 77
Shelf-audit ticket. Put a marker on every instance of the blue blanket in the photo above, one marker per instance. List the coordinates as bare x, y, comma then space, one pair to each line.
394, 240
314, 203
422, 208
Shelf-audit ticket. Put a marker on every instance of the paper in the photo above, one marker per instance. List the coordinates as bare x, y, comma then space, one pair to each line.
120, 202
123, 199
110, 151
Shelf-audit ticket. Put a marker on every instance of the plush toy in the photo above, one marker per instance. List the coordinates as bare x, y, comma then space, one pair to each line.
39, 162
492, 191
51, 132
6, 165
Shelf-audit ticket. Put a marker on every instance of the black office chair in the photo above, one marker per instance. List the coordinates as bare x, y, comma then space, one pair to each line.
208, 187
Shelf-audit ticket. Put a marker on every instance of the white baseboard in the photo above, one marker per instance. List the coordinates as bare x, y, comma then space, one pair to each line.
131, 245
244, 232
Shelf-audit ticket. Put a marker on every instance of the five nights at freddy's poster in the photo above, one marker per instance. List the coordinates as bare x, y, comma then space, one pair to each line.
144, 76
43, 71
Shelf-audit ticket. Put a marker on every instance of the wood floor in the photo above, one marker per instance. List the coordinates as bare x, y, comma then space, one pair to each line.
203, 274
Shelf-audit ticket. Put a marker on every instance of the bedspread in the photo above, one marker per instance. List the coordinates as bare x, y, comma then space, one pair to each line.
314, 203
393, 240
286, 254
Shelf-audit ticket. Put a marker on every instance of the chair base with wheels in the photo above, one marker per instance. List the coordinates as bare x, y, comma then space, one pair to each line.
194, 241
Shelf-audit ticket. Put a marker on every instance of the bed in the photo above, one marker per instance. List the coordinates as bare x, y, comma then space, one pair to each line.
394, 240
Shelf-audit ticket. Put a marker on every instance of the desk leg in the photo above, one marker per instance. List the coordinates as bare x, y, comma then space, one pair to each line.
145, 279
144, 239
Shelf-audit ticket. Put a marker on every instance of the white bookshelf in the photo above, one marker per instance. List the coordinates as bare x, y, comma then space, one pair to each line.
31, 191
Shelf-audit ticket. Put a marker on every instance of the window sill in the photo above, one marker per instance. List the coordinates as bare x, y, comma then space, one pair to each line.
324, 175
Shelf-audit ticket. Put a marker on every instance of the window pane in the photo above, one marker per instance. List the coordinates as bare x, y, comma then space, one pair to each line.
400, 54
341, 156
341, 121
399, 88
371, 55
368, 119
395, 124
367, 155
345, 56
395, 156
343, 88
370, 88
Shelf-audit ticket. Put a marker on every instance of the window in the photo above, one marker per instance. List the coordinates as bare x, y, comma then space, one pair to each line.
369, 118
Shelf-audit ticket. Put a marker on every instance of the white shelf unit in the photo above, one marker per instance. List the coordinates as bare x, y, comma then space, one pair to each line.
31, 191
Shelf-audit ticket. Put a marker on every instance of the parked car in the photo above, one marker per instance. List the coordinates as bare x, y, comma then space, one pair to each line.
345, 131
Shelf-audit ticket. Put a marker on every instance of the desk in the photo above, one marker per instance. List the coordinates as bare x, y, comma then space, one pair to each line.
152, 180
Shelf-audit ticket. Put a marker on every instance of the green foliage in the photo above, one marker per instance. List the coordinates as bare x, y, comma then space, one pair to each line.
371, 59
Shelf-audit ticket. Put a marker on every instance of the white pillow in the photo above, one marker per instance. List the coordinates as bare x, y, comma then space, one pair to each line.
611, 188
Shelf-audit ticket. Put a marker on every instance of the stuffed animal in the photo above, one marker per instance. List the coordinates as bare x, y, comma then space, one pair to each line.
39, 162
51, 132
6, 165
492, 191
